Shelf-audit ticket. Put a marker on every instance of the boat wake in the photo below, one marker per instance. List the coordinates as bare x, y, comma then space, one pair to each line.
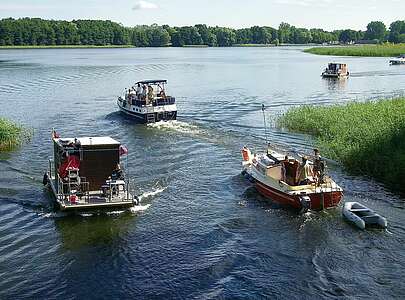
146, 195
177, 126
139, 208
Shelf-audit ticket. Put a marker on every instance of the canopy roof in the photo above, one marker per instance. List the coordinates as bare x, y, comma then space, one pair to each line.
152, 81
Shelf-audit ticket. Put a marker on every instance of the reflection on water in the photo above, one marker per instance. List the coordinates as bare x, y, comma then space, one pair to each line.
92, 230
203, 232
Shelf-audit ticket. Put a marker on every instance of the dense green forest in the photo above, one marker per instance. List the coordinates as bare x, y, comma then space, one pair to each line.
35, 31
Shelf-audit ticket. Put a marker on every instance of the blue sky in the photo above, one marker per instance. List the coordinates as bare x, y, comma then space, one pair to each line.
327, 14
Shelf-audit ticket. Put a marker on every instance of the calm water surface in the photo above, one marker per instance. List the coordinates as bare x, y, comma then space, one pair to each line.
207, 234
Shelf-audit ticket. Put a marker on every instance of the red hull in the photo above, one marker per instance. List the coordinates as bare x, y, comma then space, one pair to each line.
319, 201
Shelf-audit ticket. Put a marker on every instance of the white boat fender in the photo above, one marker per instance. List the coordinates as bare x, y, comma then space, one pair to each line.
305, 204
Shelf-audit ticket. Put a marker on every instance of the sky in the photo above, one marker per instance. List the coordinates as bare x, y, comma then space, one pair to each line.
326, 14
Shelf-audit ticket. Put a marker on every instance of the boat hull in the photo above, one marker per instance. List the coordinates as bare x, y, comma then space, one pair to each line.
337, 76
318, 201
150, 114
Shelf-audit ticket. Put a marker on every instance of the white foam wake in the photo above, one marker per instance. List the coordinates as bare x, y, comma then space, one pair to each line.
151, 193
175, 125
138, 208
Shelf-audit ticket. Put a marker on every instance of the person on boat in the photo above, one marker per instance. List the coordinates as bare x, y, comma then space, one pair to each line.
144, 91
117, 174
318, 167
138, 90
305, 174
150, 93
284, 168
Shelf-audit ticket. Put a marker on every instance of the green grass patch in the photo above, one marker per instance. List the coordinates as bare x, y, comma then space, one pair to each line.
388, 50
253, 45
195, 46
11, 134
368, 138
65, 46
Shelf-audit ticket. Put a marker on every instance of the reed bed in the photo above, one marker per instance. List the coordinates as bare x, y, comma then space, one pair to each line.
368, 138
388, 50
11, 134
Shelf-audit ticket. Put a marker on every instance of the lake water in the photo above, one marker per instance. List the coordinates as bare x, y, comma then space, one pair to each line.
207, 233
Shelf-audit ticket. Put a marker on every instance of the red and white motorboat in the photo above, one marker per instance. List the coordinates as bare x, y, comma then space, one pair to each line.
275, 177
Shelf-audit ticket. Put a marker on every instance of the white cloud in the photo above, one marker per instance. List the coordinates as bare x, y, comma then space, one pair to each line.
144, 5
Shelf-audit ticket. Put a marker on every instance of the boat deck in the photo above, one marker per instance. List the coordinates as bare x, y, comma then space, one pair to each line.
94, 200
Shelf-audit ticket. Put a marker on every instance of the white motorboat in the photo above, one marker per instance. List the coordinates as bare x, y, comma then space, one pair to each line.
400, 60
147, 102
363, 216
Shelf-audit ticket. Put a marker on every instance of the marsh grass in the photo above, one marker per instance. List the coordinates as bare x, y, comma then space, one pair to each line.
368, 138
388, 50
11, 134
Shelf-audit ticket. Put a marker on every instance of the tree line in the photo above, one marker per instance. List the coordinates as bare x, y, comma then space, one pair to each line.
36, 31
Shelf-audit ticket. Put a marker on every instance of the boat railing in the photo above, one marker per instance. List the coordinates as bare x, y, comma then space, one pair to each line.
67, 189
160, 101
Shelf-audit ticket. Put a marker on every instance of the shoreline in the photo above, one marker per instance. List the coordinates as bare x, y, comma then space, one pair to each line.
65, 47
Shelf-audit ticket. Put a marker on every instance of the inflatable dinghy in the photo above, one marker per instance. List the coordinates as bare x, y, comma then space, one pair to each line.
362, 216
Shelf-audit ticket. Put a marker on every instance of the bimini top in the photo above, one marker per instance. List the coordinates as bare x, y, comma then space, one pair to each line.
152, 81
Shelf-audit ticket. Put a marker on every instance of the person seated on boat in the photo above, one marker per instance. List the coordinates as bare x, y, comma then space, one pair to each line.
117, 173
161, 93
305, 175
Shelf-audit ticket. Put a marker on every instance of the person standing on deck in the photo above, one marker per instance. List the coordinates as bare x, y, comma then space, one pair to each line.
319, 166
138, 91
305, 173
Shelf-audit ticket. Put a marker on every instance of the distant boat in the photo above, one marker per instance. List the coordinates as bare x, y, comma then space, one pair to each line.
362, 216
400, 60
336, 70
148, 102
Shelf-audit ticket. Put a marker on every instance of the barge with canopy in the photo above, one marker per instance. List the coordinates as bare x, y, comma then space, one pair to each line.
335, 70
148, 102
85, 173
278, 177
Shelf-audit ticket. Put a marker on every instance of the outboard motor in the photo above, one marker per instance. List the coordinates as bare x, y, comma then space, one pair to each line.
305, 204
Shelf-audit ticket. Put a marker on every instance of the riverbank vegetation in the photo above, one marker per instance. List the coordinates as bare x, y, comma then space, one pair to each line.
368, 138
11, 134
387, 49
36, 31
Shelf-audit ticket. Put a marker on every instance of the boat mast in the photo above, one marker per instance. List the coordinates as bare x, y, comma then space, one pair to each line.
265, 124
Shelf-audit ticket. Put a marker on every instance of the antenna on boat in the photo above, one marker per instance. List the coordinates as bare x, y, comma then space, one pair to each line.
265, 124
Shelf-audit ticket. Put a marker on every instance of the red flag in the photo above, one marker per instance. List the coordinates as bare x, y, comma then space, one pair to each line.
123, 150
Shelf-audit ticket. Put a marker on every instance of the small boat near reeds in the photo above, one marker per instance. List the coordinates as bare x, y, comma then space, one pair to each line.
335, 70
86, 174
275, 175
148, 102
400, 60
362, 216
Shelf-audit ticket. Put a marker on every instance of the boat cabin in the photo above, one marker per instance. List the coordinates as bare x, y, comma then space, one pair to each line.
86, 173
148, 92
